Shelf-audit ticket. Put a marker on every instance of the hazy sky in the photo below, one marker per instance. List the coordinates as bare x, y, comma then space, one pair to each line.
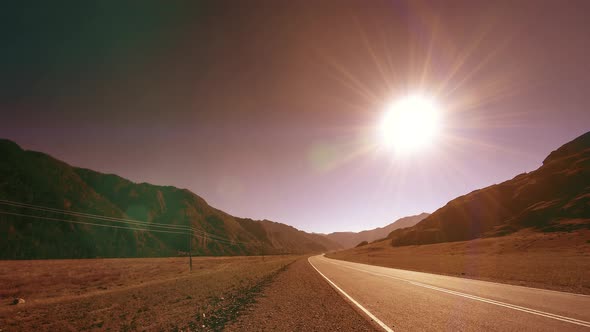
269, 109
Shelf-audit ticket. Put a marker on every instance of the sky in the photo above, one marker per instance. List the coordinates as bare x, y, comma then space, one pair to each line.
269, 109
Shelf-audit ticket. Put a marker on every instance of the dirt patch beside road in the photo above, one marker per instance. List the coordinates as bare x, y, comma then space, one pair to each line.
300, 300
131, 294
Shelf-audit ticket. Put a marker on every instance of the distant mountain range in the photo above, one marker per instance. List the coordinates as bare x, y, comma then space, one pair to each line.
352, 239
555, 197
42, 182
49, 209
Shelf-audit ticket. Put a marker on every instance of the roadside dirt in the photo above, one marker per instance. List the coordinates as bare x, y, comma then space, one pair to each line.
131, 294
299, 299
557, 261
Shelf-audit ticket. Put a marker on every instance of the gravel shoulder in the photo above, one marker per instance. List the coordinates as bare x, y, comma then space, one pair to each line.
299, 299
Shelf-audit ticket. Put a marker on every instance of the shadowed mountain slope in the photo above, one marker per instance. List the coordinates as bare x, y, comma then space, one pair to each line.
351, 239
555, 197
43, 181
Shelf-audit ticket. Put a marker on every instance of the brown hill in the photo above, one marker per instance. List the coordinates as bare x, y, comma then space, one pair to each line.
351, 239
555, 197
39, 180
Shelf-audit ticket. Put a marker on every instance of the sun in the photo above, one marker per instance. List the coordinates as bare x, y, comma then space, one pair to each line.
410, 124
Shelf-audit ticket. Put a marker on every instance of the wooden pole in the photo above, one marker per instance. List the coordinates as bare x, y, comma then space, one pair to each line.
190, 255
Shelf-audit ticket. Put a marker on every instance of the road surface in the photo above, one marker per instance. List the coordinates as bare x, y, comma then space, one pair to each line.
401, 300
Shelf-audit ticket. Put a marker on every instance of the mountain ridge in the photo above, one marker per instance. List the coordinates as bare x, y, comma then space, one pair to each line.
41, 180
351, 239
554, 197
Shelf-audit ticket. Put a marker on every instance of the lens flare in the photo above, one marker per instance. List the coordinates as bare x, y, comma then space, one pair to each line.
410, 124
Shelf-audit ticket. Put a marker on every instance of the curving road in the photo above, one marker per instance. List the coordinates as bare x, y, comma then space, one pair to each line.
401, 300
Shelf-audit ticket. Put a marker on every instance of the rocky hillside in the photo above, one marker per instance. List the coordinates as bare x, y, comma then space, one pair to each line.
352, 239
32, 231
555, 197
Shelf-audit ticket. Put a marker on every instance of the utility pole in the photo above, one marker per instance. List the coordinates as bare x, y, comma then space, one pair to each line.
190, 255
33, 241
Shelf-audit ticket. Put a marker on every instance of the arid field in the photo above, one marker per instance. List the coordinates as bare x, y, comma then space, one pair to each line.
558, 261
131, 294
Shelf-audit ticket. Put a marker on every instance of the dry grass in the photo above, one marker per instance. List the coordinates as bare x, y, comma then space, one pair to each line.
558, 261
124, 294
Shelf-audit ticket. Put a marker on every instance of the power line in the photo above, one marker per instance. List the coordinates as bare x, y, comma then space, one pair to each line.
110, 226
172, 228
90, 223
187, 232
121, 220
92, 216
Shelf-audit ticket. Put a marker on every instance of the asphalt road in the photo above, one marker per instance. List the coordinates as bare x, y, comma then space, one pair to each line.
401, 300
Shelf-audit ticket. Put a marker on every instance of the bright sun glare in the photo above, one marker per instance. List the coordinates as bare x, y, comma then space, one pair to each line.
410, 124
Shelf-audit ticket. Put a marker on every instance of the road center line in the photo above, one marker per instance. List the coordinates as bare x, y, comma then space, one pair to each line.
477, 298
363, 309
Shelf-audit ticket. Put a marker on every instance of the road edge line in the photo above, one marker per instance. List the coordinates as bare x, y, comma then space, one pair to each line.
363, 309
476, 298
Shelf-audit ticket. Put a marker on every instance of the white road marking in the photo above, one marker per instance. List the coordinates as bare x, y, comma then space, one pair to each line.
363, 309
477, 298
507, 305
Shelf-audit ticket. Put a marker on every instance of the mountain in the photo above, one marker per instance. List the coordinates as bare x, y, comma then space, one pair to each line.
555, 197
35, 181
351, 239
